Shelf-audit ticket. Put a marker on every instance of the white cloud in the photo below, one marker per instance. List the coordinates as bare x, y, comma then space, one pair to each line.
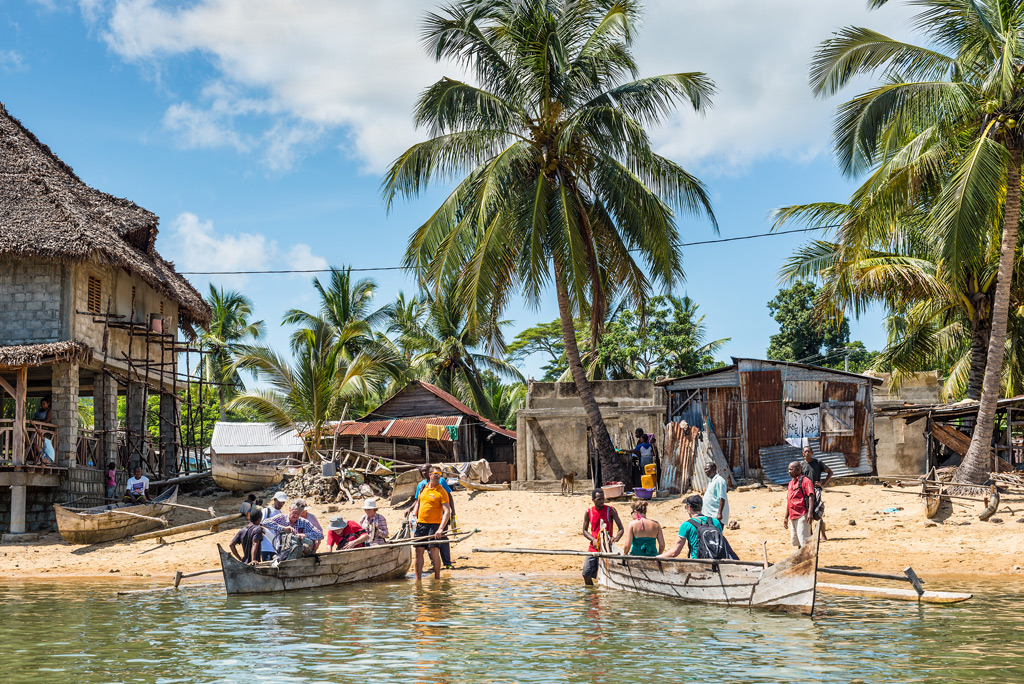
301, 69
196, 246
11, 60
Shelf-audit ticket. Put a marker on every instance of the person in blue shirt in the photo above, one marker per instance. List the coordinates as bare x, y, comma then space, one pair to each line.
688, 532
445, 548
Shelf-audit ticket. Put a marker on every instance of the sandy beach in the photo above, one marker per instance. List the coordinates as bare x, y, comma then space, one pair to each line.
864, 532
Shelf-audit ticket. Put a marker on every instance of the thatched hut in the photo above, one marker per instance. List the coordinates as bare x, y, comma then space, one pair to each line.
87, 308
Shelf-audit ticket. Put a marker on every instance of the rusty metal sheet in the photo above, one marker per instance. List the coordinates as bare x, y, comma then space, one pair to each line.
677, 459
803, 391
407, 428
762, 394
724, 414
846, 444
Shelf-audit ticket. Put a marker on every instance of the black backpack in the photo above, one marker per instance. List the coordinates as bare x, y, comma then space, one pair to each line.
711, 543
815, 503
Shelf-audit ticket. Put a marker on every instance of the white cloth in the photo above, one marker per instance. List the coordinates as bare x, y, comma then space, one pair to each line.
717, 489
799, 531
137, 487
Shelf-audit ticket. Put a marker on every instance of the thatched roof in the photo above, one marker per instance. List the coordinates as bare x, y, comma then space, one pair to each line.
47, 212
41, 354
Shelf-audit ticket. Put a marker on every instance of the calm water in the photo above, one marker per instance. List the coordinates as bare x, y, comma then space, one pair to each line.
466, 630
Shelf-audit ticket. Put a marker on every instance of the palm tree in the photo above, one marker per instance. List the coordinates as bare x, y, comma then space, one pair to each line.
450, 352
559, 184
968, 89
306, 394
346, 305
230, 331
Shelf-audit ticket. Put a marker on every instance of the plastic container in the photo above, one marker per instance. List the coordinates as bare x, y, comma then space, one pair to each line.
647, 481
650, 468
613, 490
643, 493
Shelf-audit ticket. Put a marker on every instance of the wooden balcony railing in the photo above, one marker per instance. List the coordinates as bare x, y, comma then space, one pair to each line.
35, 433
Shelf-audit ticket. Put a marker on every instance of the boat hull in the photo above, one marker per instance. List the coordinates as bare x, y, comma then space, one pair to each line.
239, 476
105, 523
368, 564
788, 586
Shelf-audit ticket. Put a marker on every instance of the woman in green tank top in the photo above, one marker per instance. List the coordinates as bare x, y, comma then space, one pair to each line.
643, 537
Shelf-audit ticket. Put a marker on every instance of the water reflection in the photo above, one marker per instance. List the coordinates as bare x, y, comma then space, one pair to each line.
490, 631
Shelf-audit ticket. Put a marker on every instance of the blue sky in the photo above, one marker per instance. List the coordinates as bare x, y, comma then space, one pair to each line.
258, 130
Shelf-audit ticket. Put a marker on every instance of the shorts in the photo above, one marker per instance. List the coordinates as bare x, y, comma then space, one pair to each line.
111, 491
428, 530
799, 531
590, 567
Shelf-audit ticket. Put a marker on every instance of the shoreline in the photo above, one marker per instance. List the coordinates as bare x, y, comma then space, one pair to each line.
888, 533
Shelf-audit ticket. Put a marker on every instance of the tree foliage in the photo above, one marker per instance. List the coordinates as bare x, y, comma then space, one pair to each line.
802, 335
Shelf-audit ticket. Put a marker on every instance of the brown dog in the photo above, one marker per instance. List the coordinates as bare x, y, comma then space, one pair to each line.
569, 483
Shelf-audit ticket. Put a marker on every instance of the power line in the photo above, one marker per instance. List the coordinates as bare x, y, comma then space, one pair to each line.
404, 268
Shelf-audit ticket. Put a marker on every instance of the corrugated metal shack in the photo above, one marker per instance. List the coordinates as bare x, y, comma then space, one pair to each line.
400, 428
255, 442
756, 405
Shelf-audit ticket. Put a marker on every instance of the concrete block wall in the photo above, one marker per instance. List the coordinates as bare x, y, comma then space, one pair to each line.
32, 304
64, 381
39, 515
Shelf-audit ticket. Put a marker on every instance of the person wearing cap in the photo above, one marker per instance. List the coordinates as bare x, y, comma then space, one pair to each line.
445, 548
374, 523
276, 507
297, 525
432, 511
342, 534
688, 534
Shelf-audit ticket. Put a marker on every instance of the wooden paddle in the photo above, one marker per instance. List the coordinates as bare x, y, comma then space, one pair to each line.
213, 513
162, 521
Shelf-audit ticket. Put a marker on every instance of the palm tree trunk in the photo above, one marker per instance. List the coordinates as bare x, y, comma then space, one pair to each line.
981, 331
612, 466
978, 462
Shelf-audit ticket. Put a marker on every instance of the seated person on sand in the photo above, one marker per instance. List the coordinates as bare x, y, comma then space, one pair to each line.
345, 535
250, 537
249, 504
137, 489
643, 537
293, 522
702, 533
374, 523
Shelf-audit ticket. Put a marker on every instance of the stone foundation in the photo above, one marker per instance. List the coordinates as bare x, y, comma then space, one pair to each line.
39, 515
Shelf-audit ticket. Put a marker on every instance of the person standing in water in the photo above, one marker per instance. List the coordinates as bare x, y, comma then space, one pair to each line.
643, 537
597, 519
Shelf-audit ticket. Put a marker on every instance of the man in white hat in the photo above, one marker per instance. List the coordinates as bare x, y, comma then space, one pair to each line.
374, 523
275, 508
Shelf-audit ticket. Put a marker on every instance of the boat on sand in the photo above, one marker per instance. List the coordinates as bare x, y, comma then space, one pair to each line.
787, 586
244, 476
113, 521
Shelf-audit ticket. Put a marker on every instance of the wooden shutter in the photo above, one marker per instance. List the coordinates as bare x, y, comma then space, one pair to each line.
837, 419
94, 299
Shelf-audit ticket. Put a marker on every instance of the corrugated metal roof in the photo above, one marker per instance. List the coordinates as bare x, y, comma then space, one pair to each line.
775, 462
736, 360
400, 428
455, 404
802, 391
254, 438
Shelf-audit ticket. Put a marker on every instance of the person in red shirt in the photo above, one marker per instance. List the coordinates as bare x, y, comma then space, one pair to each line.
345, 535
597, 519
799, 506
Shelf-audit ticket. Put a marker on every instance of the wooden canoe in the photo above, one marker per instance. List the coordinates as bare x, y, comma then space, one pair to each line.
788, 586
384, 562
894, 594
242, 476
932, 500
107, 523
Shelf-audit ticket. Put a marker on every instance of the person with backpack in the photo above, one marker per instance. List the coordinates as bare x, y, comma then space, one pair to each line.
703, 534
799, 506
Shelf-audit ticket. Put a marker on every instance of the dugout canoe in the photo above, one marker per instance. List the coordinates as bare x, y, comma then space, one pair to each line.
788, 586
112, 521
384, 562
243, 476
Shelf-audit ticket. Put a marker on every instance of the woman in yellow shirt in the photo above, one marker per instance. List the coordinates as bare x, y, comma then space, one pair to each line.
431, 511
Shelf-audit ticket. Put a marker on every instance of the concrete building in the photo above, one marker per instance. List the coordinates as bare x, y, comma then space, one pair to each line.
87, 308
902, 446
554, 438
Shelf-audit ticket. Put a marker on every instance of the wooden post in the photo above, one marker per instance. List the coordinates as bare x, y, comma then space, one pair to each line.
427, 442
18, 494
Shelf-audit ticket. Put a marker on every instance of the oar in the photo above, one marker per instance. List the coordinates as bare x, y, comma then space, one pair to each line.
213, 513
162, 521
179, 575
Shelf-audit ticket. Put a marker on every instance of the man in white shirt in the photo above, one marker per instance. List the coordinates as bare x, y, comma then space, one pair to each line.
275, 508
716, 498
136, 491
